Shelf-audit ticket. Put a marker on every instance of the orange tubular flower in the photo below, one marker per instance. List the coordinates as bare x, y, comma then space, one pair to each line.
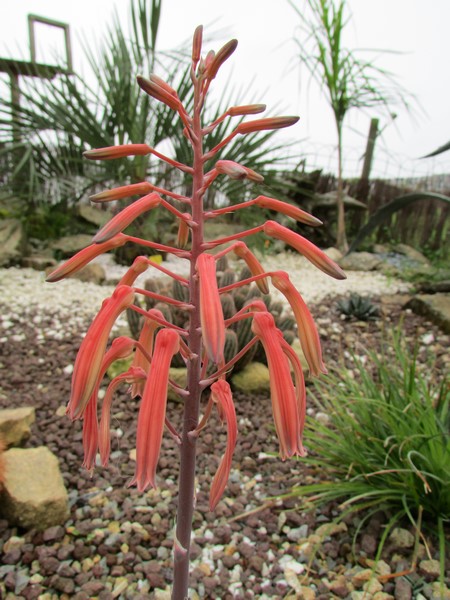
285, 405
83, 257
126, 216
266, 124
222, 55
132, 376
236, 171
90, 355
287, 209
183, 232
146, 338
122, 192
256, 268
307, 330
152, 412
221, 394
159, 93
121, 347
247, 109
139, 266
305, 247
211, 314
112, 152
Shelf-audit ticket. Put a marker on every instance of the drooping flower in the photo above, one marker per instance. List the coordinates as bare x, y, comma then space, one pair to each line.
221, 394
211, 313
152, 411
305, 247
126, 216
307, 330
90, 355
284, 400
83, 257
132, 376
241, 250
139, 266
121, 347
145, 343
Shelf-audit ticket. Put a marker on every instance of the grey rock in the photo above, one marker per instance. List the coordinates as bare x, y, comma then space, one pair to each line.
15, 425
12, 241
70, 245
91, 273
94, 214
33, 495
434, 306
411, 253
37, 262
360, 261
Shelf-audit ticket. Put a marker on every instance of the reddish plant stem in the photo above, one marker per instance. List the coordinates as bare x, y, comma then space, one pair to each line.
186, 495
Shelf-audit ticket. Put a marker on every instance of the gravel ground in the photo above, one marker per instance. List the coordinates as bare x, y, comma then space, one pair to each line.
117, 542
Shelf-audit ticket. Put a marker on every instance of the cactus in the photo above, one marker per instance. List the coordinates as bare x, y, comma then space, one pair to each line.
231, 344
222, 264
180, 291
228, 278
228, 306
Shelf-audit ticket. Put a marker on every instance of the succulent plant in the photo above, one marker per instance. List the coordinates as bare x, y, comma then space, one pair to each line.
358, 307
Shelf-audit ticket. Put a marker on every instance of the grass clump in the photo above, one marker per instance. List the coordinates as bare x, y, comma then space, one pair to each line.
387, 443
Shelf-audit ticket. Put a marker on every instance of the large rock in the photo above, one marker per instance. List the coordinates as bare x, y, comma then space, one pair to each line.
94, 215
360, 261
411, 253
38, 262
69, 245
253, 379
91, 273
34, 495
15, 425
434, 306
12, 241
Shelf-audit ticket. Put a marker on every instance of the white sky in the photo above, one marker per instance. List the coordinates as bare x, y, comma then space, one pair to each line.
416, 29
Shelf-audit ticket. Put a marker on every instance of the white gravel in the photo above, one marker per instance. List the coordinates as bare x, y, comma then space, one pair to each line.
70, 302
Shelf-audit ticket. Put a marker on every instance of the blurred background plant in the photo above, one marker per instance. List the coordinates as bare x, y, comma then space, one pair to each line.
43, 169
385, 445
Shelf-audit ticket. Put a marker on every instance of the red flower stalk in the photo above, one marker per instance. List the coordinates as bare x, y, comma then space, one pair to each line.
284, 400
211, 313
221, 394
152, 412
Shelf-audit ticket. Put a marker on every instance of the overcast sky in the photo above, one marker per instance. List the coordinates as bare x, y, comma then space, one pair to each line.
416, 31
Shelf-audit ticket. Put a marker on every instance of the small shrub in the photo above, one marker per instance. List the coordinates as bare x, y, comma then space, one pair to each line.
387, 443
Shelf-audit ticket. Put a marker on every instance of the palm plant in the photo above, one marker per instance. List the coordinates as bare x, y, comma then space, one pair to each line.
348, 80
59, 120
